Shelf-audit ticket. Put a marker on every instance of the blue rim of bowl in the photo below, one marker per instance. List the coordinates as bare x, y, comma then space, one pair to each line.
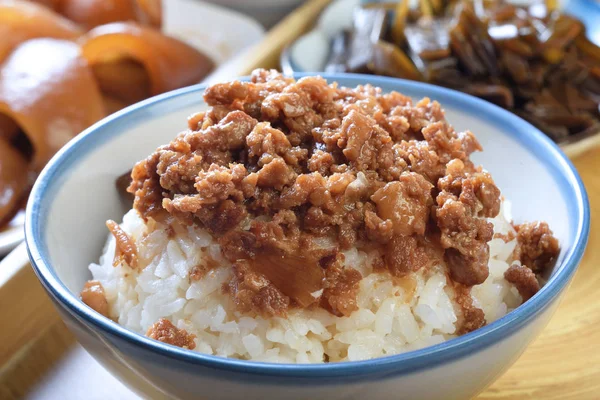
408, 362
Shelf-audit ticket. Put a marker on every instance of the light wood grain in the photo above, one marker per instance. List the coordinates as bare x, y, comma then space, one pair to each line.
25, 310
35, 361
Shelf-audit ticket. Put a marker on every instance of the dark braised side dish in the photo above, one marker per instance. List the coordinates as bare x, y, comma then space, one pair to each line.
534, 61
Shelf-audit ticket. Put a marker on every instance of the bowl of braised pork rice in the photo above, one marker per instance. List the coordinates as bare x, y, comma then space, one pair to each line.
339, 235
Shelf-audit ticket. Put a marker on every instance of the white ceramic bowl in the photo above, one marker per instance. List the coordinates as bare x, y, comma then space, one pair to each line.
75, 195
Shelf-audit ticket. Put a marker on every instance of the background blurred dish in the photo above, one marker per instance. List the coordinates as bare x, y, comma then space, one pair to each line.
310, 51
222, 35
527, 56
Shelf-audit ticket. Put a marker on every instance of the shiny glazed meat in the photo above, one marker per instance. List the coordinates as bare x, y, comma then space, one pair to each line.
277, 167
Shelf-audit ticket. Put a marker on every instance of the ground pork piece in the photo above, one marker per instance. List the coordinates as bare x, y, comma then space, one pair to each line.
469, 143
264, 139
365, 145
300, 128
238, 245
276, 174
321, 162
273, 77
445, 141
481, 194
297, 157
288, 104
93, 295
178, 171
229, 134
219, 218
475, 189
126, 250
469, 269
316, 221
537, 248
524, 280
396, 126
196, 120
377, 229
465, 198
465, 239
212, 187
164, 331
341, 288
389, 101
220, 183
317, 88
404, 254
338, 182
419, 115
253, 293
145, 186
406, 203
227, 94
471, 317
299, 192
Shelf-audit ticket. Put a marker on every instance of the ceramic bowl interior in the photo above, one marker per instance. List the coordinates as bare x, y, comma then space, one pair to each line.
76, 194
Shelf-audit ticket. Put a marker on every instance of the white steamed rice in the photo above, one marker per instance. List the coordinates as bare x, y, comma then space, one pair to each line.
391, 318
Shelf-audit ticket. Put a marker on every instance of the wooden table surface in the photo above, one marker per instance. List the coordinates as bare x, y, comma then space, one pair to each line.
562, 363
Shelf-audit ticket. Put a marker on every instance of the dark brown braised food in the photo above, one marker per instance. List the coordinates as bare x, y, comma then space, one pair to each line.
164, 331
533, 61
276, 166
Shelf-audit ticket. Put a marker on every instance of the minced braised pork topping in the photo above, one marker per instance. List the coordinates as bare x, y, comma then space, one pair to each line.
275, 168
164, 331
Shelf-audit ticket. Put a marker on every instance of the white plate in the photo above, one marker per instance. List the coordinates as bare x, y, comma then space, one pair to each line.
218, 32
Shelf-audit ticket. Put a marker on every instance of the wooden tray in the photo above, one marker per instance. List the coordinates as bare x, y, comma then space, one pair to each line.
39, 357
